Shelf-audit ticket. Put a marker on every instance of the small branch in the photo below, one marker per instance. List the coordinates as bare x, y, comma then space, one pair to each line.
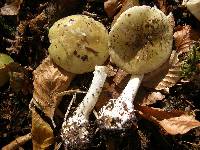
18, 142
69, 92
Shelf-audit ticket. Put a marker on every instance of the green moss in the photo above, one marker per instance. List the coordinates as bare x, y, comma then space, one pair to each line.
4, 60
189, 66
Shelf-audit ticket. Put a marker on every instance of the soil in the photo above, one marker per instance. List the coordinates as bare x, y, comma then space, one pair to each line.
25, 38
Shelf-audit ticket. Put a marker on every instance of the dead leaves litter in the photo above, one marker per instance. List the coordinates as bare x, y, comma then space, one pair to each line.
42, 133
11, 7
183, 39
112, 6
126, 4
49, 79
179, 125
174, 122
165, 76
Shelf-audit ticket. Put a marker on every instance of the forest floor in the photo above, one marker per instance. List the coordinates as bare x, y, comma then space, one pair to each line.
24, 37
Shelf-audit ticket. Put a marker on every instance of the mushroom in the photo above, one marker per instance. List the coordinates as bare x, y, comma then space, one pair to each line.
78, 44
4, 61
193, 7
140, 41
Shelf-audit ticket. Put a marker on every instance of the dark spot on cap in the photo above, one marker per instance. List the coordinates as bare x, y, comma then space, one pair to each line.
75, 52
84, 58
71, 20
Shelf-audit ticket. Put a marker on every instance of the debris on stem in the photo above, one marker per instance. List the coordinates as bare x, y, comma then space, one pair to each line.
76, 130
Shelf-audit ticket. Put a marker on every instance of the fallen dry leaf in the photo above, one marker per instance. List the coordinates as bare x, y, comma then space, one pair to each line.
111, 7
18, 142
120, 78
19, 78
113, 86
49, 79
156, 113
182, 38
174, 122
146, 98
165, 76
42, 133
11, 7
125, 5
162, 6
179, 125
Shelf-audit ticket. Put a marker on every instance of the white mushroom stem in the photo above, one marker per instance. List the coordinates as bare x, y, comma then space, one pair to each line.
128, 94
76, 130
119, 113
93, 93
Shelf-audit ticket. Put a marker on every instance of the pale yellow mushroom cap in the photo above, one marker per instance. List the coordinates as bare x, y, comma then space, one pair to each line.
141, 39
78, 43
193, 7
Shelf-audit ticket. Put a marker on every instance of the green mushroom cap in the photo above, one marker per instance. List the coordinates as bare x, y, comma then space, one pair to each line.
4, 60
78, 43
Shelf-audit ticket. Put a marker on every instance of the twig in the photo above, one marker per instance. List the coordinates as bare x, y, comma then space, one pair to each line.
18, 142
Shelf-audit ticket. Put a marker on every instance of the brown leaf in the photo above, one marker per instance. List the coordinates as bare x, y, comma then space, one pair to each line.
42, 133
165, 76
146, 98
174, 122
162, 5
182, 39
49, 79
11, 7
179, 125
155, 114
112, 87
125, 5
18, 142
119, 78
19, 78
111, 7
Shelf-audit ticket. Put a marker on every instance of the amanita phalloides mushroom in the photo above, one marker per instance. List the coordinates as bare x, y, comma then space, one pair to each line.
140, 41
78, 44
4, 60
